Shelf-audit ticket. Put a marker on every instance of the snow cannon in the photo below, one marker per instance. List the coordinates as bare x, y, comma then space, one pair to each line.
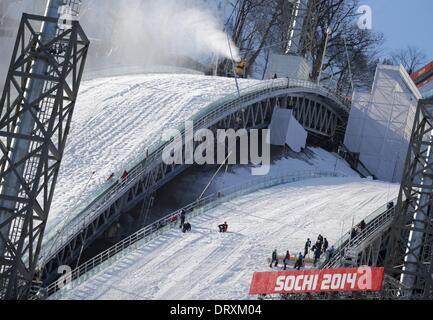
240, 68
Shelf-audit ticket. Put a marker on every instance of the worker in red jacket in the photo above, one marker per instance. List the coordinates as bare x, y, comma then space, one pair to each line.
124, 175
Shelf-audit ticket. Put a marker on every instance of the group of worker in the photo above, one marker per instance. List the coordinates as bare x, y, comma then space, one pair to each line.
122, 178
319, 248
186, 226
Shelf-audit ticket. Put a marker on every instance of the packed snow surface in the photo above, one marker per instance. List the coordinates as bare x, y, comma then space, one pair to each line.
206, 264
115, 119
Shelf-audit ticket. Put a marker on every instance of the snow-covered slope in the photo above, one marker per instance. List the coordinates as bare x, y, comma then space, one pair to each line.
206, 264
115, 119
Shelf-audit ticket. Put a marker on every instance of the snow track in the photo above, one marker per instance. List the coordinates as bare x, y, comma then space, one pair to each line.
206, 264
114, 120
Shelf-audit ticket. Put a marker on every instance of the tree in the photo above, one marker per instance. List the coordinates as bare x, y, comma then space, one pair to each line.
260, 26
411, 58
347, 44
253, 26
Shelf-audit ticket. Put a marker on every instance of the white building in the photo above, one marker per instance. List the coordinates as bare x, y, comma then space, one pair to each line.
287, 66
380, 122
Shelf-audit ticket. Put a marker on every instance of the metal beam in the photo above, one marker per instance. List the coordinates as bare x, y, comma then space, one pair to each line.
36, 109
410, 256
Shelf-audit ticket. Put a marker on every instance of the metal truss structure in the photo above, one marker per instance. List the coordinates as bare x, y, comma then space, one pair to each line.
410, 255
302, 19
401, 238
38, 126
316, 110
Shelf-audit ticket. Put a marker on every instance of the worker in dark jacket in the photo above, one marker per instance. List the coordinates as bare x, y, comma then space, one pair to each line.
299, 262
325, 245
274, 258
353, 233
317, 254
286, 259
186, 227
182, 218
223, 227
307, 247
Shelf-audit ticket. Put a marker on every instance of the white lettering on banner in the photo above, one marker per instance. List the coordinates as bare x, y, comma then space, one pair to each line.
280, 283
297, 285
326, 281
344, 279
351, 278
291, 280
309, 282
336, 281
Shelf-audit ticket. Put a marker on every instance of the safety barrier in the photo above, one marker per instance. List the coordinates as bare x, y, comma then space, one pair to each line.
146, 234
376, 222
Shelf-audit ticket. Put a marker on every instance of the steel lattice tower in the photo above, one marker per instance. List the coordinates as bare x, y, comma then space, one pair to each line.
409, 252
36, 109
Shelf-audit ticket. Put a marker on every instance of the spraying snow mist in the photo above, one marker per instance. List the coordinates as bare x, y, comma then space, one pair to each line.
147, 32
138, 32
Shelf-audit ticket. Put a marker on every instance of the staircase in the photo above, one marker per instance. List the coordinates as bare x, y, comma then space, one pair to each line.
363, 248
353, 160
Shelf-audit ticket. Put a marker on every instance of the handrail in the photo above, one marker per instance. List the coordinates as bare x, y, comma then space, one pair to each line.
374, 222
111, 192
204, 203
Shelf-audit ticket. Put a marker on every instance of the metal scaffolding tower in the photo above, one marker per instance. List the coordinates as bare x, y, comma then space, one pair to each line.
36, 109
409, 253
303, 24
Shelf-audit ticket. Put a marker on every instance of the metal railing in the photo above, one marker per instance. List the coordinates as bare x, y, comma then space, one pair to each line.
376, 222
193, 209
89, 210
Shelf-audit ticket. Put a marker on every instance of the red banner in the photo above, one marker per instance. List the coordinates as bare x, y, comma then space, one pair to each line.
326, 280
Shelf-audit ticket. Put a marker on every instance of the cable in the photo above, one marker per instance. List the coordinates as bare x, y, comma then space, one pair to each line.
216, 172
233, 65
348, 63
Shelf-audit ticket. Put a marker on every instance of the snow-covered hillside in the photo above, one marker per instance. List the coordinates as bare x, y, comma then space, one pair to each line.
115, 119
206, 264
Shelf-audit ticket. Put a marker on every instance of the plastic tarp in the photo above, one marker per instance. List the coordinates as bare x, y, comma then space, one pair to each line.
279, 125
380, 123
285, 129
296, 136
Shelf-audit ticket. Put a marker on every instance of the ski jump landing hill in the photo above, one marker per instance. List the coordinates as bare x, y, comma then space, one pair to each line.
117, 126
206, 264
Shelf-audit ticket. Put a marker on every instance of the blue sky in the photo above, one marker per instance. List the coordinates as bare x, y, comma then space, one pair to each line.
404, 22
